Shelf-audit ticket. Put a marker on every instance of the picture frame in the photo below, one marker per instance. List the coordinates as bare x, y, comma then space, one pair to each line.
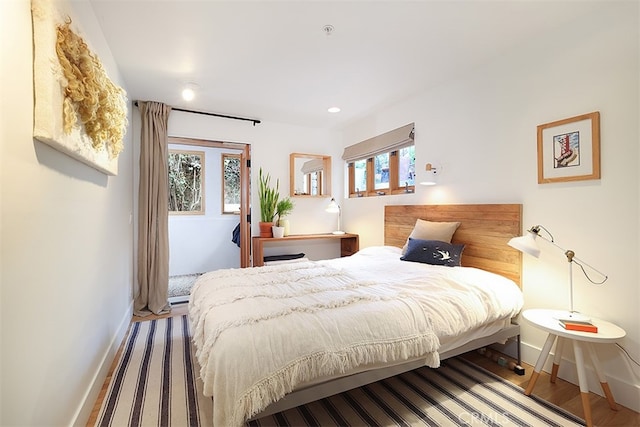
569, 149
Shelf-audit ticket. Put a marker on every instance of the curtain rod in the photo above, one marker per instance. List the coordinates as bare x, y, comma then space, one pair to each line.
224, 116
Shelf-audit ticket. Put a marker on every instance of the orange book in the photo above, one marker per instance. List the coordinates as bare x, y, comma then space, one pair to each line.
578, 326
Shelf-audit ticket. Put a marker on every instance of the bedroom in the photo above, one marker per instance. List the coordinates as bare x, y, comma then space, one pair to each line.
68, 243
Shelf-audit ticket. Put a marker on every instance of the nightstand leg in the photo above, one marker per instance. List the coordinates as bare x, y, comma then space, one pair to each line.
603, 380
557, 359
540, 363
582, 381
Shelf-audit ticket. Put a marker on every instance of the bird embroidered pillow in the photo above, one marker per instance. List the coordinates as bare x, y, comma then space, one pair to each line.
432, 230
434, 252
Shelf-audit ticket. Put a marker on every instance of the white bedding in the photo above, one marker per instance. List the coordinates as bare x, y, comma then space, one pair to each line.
261, 332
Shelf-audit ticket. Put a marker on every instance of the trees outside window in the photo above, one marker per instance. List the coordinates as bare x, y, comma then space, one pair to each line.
381, 167
231, 183
186, 185
407, 166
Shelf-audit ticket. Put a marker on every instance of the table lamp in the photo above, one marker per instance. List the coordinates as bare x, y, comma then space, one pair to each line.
527, 244
334, 207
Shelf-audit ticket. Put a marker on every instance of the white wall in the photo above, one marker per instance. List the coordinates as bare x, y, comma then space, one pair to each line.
481, 127
66, 242
271, 143
201, 243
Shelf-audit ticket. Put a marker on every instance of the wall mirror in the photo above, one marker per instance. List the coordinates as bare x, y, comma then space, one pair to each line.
309, 175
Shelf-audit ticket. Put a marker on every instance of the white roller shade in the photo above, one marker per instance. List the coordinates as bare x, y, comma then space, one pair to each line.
389, 141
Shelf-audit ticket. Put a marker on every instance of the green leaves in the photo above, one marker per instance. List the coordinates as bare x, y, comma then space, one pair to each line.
284, 207
270, 203
268, 197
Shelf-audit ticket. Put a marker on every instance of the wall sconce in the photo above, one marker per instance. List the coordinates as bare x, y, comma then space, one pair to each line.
334, 207
432, 177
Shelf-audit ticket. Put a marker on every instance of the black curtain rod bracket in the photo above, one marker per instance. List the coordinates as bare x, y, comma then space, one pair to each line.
224, 116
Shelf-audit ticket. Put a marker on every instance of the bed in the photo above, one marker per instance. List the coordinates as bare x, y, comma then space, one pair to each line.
275, 337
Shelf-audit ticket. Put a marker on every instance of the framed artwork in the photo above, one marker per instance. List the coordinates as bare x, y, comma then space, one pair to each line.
78, 110
569, 149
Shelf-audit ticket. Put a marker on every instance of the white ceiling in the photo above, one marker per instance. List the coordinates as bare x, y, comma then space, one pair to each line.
272, 60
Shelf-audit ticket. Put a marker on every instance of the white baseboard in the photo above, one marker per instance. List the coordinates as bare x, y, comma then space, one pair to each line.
83, 412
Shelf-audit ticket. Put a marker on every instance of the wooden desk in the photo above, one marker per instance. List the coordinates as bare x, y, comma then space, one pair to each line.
349, 243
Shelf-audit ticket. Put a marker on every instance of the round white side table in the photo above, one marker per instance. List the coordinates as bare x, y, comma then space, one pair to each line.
547, 320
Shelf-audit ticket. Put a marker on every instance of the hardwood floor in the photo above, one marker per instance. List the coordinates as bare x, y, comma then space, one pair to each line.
562, 393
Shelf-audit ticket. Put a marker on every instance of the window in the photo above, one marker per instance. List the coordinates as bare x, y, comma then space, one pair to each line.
186, 187
360, 179
392, 172
381, 168
231, 183
385, 164
407, 166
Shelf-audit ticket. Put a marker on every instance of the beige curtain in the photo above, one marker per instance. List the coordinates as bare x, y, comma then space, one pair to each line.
153, 212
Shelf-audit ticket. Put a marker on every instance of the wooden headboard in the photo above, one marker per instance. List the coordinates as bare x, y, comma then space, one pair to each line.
484, 230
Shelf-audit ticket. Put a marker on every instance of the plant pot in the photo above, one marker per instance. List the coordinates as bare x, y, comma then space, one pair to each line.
278, 232
284, 223
265, 229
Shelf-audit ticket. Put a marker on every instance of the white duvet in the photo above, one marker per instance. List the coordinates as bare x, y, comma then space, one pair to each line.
260, 332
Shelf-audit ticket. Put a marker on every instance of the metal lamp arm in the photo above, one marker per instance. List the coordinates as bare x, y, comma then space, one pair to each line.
571, 255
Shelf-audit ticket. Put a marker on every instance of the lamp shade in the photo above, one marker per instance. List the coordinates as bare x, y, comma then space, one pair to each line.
431, 178
333, 206
526, 243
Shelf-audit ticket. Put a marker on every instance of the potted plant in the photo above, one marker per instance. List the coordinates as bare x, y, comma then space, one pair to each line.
284, 208
268, 203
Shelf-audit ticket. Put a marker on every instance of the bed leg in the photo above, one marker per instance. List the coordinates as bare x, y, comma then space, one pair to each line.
518, 369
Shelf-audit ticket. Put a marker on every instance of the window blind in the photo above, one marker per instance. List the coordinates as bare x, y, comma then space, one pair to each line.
313, 165
389, 141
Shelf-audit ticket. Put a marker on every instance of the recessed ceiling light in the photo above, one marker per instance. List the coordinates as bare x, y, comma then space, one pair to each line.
334, 109
188, 93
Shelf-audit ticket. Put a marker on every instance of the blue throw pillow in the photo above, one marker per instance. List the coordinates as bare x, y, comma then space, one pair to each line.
433, 252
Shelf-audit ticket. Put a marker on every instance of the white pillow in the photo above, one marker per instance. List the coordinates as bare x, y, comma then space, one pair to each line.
432, 230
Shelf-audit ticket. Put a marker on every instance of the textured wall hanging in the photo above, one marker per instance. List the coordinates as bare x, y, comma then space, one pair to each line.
77, 109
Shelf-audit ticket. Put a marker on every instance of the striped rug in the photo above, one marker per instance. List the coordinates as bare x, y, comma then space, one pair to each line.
155, 384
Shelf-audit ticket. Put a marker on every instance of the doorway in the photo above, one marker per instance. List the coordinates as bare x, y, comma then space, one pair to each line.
216, 233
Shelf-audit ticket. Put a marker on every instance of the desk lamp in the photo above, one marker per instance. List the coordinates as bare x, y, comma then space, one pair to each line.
334, 207
527, 244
